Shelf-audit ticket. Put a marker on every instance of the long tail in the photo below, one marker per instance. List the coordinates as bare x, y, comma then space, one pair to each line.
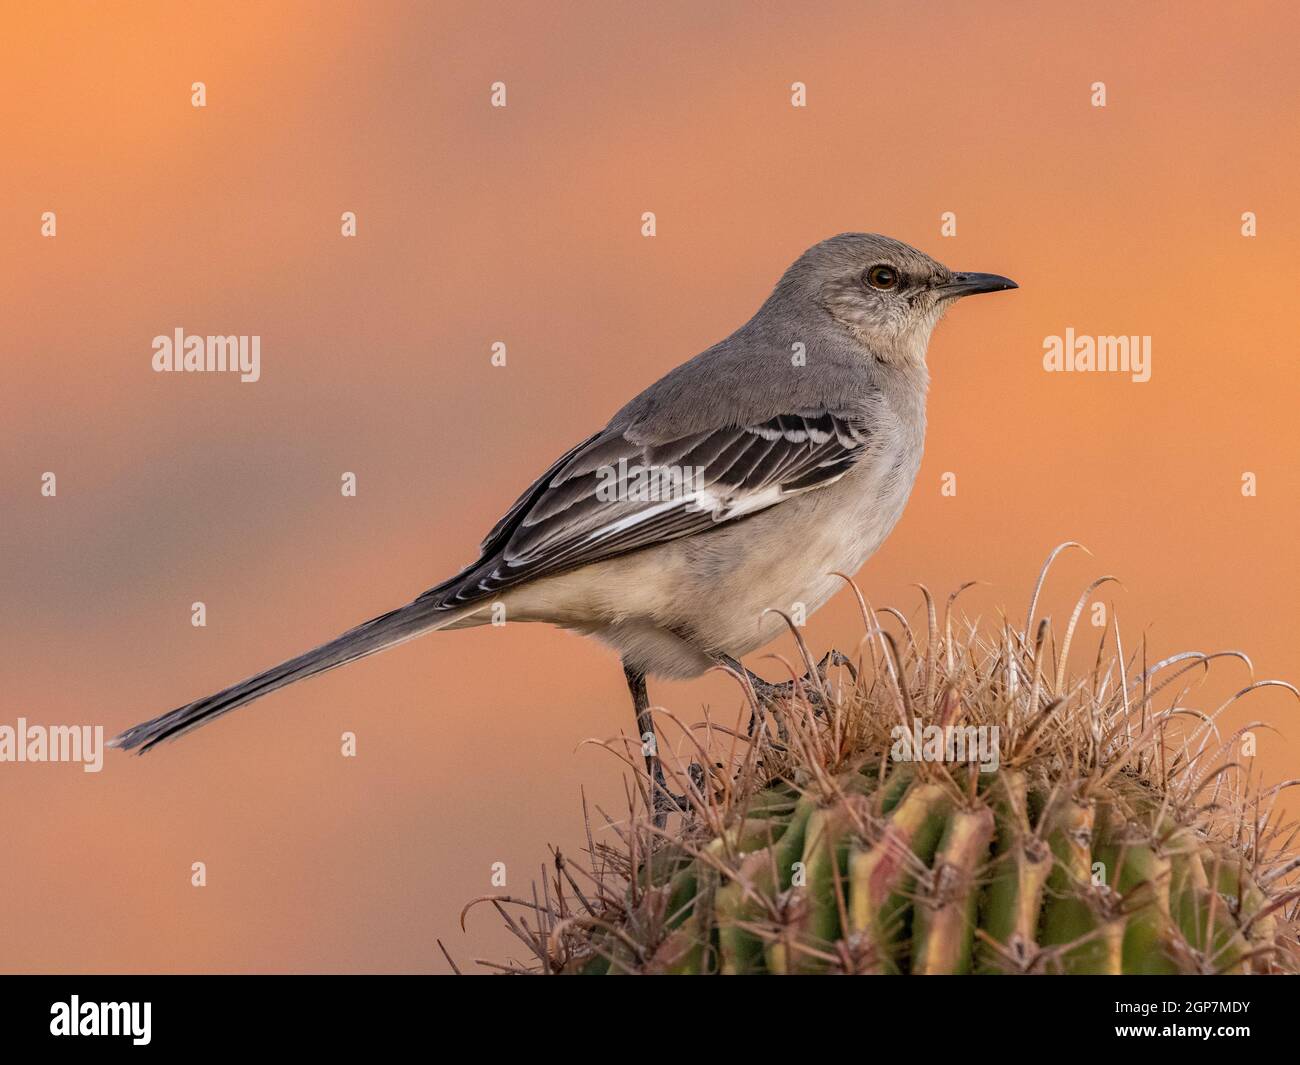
377, 634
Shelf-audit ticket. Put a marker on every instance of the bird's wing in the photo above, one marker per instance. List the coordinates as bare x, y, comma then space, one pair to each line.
611, 495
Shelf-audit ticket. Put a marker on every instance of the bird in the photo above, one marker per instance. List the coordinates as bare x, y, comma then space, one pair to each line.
736, 486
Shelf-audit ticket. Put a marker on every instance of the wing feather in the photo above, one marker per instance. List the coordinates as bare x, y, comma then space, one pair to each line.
610, 495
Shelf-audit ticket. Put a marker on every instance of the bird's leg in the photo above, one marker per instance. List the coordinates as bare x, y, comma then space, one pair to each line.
664, 802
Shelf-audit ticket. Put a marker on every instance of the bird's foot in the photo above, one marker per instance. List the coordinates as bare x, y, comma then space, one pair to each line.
778, 696
666, 802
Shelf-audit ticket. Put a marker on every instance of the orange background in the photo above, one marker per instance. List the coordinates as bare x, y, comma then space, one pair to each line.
522, 225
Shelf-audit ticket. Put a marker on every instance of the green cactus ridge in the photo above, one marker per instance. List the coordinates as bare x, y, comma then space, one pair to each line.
1019, 877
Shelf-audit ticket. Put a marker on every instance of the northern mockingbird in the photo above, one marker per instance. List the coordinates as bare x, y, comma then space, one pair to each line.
744, 479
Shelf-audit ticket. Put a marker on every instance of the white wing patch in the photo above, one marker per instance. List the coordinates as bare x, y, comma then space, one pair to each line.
794, 436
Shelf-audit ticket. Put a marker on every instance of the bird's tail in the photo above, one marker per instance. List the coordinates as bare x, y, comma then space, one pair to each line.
377, 634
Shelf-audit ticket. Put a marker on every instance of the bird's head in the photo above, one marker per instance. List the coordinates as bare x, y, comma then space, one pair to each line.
885, 294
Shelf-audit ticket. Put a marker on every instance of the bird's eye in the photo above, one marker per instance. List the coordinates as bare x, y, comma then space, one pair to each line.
882, 277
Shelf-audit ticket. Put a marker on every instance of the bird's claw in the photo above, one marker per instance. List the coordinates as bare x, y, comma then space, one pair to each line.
666, 802
776, 696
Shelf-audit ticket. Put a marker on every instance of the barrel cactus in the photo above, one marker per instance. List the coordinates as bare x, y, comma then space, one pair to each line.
957, 804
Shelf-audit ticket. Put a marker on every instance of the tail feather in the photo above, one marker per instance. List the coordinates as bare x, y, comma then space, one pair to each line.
377, 634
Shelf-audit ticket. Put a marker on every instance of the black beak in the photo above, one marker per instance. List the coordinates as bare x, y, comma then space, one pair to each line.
970, 284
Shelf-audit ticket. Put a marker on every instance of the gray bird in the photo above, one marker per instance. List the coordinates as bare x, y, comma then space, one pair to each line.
741, 481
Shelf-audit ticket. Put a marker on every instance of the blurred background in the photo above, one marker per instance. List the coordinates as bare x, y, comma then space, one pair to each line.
522, 225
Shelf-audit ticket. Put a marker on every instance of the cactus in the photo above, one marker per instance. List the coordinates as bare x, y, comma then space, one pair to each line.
1104, 833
